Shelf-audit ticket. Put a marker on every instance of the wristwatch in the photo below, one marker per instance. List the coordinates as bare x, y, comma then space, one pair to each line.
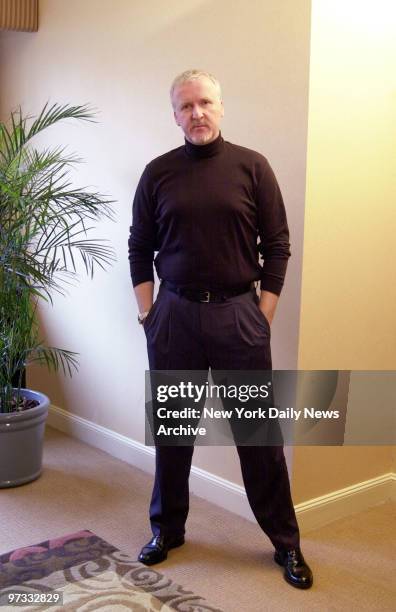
142, 316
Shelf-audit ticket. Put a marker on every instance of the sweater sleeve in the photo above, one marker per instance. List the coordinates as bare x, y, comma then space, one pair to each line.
142, 236
274, 243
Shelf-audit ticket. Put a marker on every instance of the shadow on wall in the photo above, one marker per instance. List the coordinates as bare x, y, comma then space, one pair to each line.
50, 383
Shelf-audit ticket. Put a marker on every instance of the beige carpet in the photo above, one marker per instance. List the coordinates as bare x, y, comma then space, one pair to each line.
226, 559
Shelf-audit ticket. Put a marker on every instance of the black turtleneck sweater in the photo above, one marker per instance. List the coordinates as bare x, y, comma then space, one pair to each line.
202, 208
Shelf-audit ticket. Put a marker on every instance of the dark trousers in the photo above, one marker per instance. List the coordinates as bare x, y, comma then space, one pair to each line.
231, 335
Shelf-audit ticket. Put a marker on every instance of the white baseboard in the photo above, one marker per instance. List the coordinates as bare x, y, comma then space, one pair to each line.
311, 514
114, 444
327, 508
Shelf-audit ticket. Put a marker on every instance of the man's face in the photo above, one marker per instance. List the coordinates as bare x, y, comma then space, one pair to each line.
198, 110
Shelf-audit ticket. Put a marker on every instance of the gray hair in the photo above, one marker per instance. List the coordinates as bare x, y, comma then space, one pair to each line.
190, 75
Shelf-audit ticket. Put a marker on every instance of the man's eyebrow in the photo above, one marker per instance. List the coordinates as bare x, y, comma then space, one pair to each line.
188, 102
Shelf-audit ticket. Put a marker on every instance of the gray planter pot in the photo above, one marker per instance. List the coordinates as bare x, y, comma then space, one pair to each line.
21, 442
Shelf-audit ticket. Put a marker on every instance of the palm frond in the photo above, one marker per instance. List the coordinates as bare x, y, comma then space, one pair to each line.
57, 112
54, 358
45, 225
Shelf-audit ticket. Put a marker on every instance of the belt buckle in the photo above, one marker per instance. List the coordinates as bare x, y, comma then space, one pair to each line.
206, 298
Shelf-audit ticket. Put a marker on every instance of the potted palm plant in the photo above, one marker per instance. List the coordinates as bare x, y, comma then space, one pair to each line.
44, 226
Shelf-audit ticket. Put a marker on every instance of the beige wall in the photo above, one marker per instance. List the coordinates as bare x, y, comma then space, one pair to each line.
120, 55
348, 304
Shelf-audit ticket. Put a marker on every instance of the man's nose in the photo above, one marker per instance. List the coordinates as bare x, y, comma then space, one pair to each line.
197, 112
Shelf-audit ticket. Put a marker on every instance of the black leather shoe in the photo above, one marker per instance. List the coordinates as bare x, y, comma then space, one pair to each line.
297, 572
156, 550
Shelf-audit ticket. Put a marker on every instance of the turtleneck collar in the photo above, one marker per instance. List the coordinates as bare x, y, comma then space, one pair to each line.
207, 150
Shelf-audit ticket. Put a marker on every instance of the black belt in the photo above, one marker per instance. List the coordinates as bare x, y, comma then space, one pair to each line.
202, 295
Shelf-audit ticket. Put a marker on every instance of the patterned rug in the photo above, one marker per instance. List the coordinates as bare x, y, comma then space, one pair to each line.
85, 573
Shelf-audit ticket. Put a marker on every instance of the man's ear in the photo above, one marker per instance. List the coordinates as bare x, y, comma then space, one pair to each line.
222, 108
174, 114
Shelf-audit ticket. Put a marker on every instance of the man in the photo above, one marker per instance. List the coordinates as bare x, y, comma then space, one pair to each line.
202, 207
